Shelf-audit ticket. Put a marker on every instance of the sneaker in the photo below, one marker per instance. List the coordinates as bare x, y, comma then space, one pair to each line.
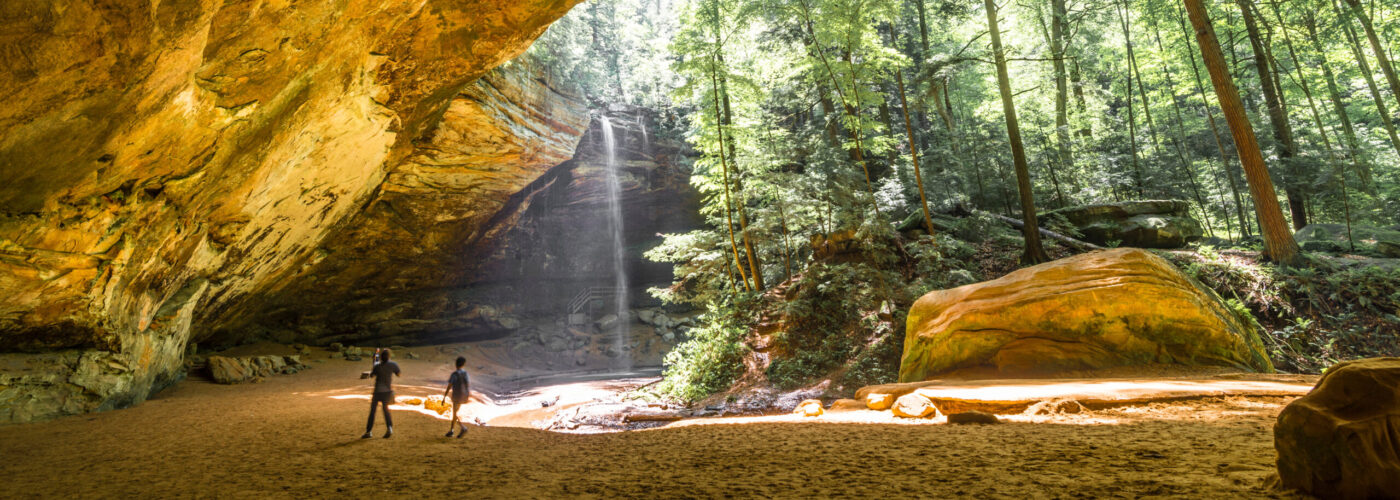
389, 433
366, 436
449, 434
461, 433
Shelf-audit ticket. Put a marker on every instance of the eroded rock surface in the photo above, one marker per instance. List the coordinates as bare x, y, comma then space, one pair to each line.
1142, 224
237, 370
166, 161
1342, 440
1092, 311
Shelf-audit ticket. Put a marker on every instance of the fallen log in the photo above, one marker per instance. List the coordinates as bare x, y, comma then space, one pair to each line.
1081, 245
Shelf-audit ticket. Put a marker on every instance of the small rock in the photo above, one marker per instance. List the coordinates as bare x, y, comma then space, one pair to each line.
876, 401
914, 405
1055, 407
846, 405
809, 408
437, 404
973, 417
606, 322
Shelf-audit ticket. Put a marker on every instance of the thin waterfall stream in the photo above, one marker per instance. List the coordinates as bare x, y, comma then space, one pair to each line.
624, 360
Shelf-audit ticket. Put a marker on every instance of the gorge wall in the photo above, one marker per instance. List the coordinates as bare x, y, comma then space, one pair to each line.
175, 169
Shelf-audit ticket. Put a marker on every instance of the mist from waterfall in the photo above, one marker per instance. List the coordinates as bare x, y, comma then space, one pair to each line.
619, 262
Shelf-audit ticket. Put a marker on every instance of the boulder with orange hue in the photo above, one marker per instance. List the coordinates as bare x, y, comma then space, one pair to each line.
879, 401
1093, 311
809, 408
1342, 440
438, 404
914, 405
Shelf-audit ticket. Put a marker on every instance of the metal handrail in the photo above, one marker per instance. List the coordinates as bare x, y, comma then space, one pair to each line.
587, 294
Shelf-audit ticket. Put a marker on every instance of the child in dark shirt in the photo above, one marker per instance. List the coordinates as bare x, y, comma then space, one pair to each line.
458, 387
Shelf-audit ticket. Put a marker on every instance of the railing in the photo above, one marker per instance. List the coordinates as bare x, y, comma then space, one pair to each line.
583, 297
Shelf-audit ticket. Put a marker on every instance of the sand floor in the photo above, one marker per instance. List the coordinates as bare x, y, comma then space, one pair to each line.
299, 436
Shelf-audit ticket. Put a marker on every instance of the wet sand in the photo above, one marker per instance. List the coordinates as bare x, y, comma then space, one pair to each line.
299, 436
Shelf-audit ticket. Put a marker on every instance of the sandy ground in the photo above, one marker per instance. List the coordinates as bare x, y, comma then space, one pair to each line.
299, 436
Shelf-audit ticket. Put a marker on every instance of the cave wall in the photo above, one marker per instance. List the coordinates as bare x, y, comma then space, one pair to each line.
168, 165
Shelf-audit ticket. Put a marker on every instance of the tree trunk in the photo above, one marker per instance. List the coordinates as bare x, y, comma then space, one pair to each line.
1382, 58
726, 121
1214, 128
1180, 140
1363, 171
1278, 117
715, 68
913, 151
1058, 28
1077, 82
724, 165
1035, 254
1278, 240
1365, 68
1338, 173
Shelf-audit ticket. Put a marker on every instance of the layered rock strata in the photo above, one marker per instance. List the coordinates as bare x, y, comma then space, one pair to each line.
166, 161
1094, 311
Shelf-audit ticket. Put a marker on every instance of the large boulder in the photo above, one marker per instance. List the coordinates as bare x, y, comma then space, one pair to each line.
1333, 238
1143, 224
1093, 311
1342, 440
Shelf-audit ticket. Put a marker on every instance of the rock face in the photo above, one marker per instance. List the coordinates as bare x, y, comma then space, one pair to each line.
237, 370
1342, 440
1092, 311
1142, 224
1333, 238
555, 242
398, 272
167, 163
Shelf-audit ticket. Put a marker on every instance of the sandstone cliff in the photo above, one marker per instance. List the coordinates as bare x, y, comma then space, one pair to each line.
166, 162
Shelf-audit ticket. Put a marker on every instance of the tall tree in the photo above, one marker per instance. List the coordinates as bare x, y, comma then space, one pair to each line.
1378, 47
1278, 117
1034, 254
1365, 67
1278, 240
1339, 107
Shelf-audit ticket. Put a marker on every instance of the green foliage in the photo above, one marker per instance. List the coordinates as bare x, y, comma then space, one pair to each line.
1313, 317
709, 361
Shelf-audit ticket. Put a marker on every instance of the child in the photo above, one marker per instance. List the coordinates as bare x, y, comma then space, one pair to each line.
458, 387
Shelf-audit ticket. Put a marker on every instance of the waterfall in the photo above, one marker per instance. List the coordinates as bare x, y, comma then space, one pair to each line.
619, 262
